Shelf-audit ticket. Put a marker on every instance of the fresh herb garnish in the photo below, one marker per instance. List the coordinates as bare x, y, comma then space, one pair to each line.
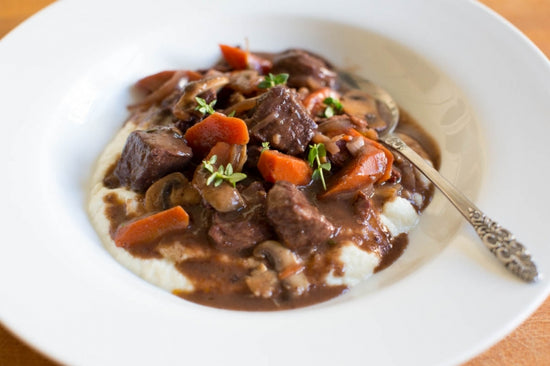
317, 159
265, 146
272, 80
232, 114
222, 174
333, 105
204, 107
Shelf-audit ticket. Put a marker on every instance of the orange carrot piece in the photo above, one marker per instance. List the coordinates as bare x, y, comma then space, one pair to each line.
216, 128
275, 166
240, 59
151, 227
373, 164
389, 155
314, 100
366, 168
236, 58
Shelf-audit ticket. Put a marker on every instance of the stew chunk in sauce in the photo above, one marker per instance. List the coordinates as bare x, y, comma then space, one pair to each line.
258, 183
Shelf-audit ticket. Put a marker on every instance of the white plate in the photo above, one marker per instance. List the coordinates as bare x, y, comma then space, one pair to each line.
479, 85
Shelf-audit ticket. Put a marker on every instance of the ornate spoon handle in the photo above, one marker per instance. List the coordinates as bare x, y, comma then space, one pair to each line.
512, 254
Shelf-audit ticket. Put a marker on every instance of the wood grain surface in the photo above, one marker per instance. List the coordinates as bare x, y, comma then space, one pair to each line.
528, 345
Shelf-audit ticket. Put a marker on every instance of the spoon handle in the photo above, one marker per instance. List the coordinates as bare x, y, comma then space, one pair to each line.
512, 254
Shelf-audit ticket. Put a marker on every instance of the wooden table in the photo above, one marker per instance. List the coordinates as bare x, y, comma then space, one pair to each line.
528, 345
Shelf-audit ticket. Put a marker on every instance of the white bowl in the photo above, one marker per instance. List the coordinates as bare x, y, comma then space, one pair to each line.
471, 79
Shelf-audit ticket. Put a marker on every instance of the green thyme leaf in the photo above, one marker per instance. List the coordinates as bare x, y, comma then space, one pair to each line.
333, 106
271, 80
265, 146
322, 150
312, 154
218, 176
204, 107
210, 179
232, 114
229, 169
317, 160
236, 177
209, 165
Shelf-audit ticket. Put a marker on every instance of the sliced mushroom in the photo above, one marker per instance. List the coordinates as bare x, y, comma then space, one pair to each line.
165, 83
244, 81
169, 191
288, 266
242, 106
336, 125
187, 101
237, 156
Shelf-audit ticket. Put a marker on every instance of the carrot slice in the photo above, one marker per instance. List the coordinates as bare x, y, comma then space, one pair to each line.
151, 227
240, 59
365, 169
275, 166
216, 128
373, 164
389, 155
236, 58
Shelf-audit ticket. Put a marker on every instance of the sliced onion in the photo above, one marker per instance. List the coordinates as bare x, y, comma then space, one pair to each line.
330, 144
355, 145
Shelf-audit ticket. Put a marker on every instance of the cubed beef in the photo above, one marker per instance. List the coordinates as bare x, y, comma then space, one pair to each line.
298, 223
232, 233
281, 119
304, 69
149, 155
238, 231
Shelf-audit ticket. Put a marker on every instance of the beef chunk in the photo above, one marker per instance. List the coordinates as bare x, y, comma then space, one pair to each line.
297, 222
149, 155
304, 69
235, 233
281, 119
238, 231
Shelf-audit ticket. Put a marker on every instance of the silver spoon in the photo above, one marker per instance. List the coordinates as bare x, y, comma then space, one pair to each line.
512, 254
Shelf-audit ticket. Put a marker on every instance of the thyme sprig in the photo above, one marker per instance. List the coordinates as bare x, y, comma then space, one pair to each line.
271, 80
221, 174
204, 107
333, 106
317, 160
